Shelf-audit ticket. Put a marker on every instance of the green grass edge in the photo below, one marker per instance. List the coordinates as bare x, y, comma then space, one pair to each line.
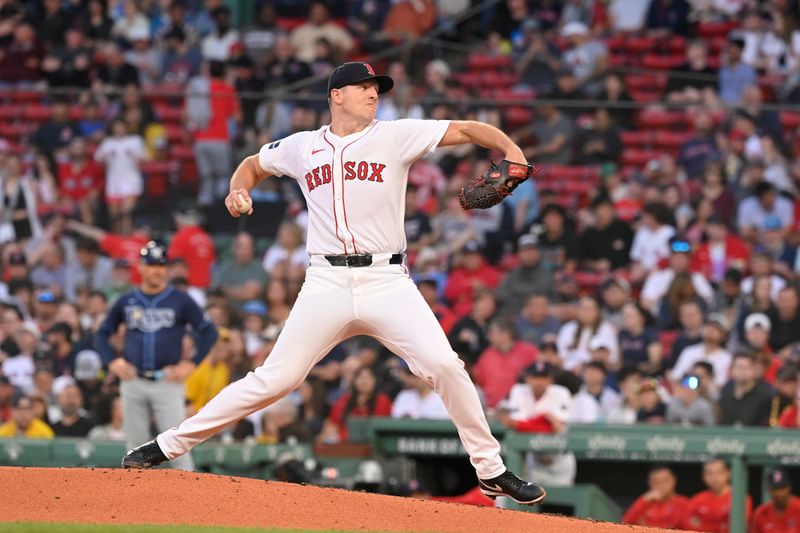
62, 527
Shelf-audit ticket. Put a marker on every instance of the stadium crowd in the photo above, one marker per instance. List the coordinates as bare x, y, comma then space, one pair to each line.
647, 275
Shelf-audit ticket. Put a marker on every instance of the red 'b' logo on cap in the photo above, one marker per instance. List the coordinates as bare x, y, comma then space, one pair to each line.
369, 69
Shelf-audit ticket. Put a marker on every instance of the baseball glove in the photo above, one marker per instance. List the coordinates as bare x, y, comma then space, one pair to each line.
491, 188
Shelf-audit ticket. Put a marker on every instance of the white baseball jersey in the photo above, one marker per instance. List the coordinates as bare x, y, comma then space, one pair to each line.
354, 185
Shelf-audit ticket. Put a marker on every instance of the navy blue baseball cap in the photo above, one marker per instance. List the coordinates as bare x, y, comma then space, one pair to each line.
153, 253
778, 478
356, 72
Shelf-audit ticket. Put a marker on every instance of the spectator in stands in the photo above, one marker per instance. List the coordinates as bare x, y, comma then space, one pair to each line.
109, 419
660, 284
628, 379
639, 344
62, 349
80, 181
554, 133
195, 246
259, 37
757, 328
606, 243
19, 221
409, 19
241, 277
114, 71
20, 368
417, 400
711, 349
709, 510
575, 336
69, 65
735, 75
468, 335
772, 240
785, 319
50, 272
721, 252
785, 393
594, 402
145, 57
23, 423
535, 323
280, 422
7, 395
708, 387
530, 277
651, 242
500, 365
762, 271
615, 96
212, 374
210, 118
417, 223
55, 134
72, 422
131, 25
666, 17
660, 506
536, 58
652, 409
694, 81
429, 289
473, 273
587, 57
287, 258
181, 59
122, 154
304, 37
782, 512
697, 151
363, 399
45, 307
217, 45
21, 57
614, 294
688, 407
558, 242
601, 142
10, 320
746, 400
568, 89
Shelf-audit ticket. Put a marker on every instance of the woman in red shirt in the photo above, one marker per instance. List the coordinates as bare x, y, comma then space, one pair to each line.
363, 399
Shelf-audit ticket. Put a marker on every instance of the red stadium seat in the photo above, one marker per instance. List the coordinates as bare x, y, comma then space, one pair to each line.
647, 97
677, 44
660, 119
169, 114
790, 119
499, 79
36, 112
640, 45
482, 62
708, 30
518, 116
671, 139
636, 139
637, 158
658, 62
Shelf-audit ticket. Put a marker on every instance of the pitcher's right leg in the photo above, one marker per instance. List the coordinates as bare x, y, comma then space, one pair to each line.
318, 321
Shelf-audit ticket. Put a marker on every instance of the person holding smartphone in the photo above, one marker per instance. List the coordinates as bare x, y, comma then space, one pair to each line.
687, 407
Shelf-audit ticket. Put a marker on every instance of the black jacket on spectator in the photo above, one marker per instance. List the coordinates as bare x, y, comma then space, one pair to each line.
783, 332
468, 351
681, 342
612, 243
685, 76
120, 76
752, 409
78, 429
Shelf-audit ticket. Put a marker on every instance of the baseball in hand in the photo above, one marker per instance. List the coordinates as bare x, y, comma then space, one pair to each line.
244, 203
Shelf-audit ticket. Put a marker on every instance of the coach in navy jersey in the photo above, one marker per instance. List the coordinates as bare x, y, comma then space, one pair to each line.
151, 368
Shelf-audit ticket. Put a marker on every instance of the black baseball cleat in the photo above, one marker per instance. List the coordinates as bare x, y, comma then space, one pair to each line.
147, 455
507, 484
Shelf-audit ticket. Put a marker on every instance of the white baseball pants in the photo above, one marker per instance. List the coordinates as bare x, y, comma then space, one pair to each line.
334, 304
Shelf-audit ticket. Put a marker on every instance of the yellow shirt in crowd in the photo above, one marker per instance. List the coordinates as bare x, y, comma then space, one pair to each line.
205, 382
37, 430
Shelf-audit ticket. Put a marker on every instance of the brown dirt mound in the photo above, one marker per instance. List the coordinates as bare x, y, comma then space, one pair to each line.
175, 497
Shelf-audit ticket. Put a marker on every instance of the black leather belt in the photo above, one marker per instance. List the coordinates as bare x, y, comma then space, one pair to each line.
360, 260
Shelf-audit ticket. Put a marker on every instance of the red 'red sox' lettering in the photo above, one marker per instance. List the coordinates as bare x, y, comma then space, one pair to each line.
361, 170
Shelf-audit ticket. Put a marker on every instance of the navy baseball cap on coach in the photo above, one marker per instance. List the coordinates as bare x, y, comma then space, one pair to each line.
356, 72
153, 253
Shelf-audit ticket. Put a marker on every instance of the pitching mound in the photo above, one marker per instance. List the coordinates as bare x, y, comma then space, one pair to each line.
109, 496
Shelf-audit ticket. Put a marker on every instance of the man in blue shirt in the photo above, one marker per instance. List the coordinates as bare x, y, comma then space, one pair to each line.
151, 368
735, 75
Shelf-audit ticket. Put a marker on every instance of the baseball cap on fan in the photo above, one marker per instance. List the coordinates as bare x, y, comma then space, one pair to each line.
356, 72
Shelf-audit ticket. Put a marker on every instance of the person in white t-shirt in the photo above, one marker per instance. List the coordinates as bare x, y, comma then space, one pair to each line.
658, 282
710, 350
122, 154
417, 399
595, 401
287, 257
20, 369
651, 240
540, 406
575, 336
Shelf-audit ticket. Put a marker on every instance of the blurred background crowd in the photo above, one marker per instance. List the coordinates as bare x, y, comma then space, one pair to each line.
647, 275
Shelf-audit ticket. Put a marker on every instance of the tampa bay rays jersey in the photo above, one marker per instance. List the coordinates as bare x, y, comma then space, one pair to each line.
354, 185
155, 326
